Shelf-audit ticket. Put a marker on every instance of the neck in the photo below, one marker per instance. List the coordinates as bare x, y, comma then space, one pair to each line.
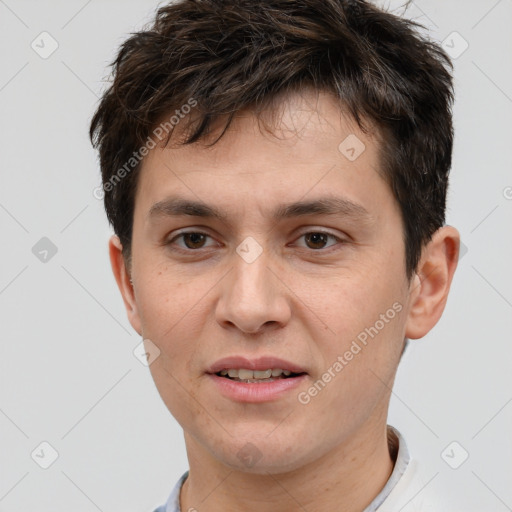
346, 478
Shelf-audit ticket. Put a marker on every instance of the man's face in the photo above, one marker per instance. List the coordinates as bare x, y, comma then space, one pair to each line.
301, 288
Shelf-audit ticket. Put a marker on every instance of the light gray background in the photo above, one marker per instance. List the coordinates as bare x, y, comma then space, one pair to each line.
68, 375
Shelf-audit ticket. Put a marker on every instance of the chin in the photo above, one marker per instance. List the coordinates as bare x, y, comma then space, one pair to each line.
262, 455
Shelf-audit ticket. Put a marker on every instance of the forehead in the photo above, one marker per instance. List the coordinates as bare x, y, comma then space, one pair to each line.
312, 149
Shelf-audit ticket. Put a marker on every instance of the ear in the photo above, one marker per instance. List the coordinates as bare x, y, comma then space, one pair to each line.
429, 288
123, 279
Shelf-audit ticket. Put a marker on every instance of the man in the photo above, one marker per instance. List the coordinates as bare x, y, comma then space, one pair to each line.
276, 176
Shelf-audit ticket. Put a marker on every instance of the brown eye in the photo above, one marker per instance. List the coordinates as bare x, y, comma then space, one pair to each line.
316, 240
189, 241
193, 240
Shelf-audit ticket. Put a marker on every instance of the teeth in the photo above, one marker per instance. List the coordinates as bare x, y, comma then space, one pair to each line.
245, 374
260, 374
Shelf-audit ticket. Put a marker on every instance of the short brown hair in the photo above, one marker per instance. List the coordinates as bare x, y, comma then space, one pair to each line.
232, 55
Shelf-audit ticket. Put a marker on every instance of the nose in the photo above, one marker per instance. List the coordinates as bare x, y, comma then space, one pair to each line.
253, 296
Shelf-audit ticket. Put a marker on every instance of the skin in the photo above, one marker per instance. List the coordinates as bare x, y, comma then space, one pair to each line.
304, 300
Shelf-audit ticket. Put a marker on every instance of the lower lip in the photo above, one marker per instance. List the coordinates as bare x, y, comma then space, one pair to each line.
256, 391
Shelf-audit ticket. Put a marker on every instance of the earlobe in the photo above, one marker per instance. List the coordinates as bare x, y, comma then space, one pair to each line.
124, 281
431, 285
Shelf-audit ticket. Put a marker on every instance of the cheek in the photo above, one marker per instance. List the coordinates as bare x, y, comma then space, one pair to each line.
167, 310
351, 303
366, 319
358, 370
163, 298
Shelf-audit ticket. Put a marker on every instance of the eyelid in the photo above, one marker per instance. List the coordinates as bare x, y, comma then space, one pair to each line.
322, 232
188, 231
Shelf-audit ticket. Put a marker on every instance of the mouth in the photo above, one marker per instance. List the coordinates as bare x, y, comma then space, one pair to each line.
257, 376
264, 379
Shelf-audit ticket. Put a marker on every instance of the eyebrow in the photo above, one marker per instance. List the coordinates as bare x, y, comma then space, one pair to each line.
331, 205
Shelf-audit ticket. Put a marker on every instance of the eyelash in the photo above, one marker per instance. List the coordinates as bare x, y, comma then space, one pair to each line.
189, 251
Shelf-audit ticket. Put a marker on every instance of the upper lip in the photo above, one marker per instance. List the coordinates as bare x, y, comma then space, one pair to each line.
259, 364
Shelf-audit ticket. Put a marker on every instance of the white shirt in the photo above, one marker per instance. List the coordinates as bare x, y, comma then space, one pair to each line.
406, 489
